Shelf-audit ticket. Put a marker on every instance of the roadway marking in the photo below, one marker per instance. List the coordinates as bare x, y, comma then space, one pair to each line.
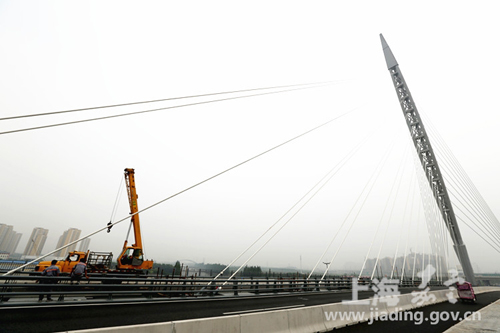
265, 309
160, 301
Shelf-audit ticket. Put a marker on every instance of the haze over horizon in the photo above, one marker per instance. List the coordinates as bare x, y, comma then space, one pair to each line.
63, 56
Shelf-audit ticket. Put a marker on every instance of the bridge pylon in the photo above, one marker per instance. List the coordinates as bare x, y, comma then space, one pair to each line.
427, 159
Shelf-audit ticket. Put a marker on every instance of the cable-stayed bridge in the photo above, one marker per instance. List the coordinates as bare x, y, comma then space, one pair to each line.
419, 221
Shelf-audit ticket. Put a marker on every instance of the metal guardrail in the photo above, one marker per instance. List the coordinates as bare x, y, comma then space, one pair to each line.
7, 265
26, 288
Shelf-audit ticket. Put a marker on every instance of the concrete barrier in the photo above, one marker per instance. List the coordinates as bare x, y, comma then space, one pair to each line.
269, 321
479, 290
319, 318
329, 321
229, 324
441, 296
405, 303
144, 328
339, 315
309, 319
396, 303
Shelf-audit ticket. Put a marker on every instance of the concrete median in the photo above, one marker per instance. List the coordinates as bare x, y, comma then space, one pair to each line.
309, 319
144, 328
229, 324
486, 289
405, 303
270, 321
330, 322
339, 315
318, 318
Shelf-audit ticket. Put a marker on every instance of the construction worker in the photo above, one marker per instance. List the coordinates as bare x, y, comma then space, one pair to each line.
51, 271
79, 270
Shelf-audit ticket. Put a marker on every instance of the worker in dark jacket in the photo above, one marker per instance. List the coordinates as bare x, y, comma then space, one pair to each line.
79, 270
51, 271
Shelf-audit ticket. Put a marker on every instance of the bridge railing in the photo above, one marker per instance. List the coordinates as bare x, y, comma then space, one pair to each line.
26, 288
7, 265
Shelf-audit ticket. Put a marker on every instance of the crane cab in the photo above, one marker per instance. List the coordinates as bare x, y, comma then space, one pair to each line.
133, 258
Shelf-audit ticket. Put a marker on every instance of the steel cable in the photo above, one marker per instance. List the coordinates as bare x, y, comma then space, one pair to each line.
152, 110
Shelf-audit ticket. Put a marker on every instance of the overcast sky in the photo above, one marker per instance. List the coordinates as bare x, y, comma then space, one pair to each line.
59, 55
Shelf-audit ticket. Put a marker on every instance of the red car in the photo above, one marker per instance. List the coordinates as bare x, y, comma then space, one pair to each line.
466, 292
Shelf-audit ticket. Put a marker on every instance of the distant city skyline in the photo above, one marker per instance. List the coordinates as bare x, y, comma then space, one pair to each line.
84, 245
36, 242
67, 237
9, 239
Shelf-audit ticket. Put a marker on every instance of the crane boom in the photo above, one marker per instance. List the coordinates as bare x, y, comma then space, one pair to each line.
132, 257
132, 199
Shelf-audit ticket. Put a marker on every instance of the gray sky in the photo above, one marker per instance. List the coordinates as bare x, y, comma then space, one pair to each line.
58, 56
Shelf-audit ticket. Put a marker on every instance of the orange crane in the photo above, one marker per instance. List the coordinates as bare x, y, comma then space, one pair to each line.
131, 259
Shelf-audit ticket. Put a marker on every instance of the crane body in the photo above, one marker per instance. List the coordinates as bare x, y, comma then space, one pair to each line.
131, 259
